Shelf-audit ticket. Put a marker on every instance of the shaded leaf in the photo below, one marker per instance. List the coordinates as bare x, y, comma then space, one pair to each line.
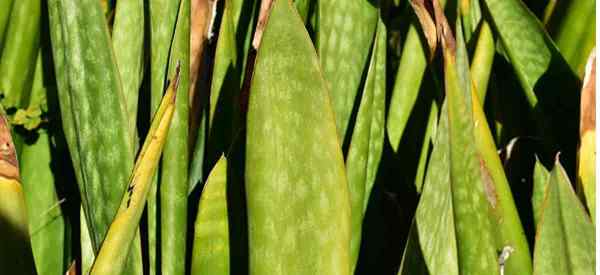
366, 144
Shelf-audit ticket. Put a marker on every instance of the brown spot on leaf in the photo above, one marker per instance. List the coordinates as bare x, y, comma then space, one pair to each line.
488, 184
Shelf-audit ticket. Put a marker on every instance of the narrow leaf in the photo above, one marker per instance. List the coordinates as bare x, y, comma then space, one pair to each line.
211, 237
345, 34
111, 259
46, 222
366, 145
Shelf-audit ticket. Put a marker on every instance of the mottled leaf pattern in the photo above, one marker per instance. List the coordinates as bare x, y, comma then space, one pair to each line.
211, 236
345, 34
367, 139
565, 235
298, 170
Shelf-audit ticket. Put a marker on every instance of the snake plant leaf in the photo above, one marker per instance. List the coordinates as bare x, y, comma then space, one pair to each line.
46, 222
211, 236
303, 7
16, 255
575, 35
406, 86
93, 111
483, 59
540, 182
586, 174
474, 235
87, 249
5, 9
549, 84
412, 257
19, 53
565, 235
162, 17
225, 86
505, 218
174, 165
120, 236
345, 33
434, 218
432, 121
411, 70
128, 44
296, 169
366, 144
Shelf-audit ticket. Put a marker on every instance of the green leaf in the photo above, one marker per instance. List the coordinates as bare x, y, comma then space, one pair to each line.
296, 188
565, 236
46, 221
406, 86
225, 87
162, 16
474, 234
576, 32
174, 165
345, 34
93, 110
434, 218
121, 234
128, 44
412, 258
550, 86
505, 218
19, 52
427, 139
540, 182
211, 235
483, 59
5, 9
86, 246
407, 83
366, 145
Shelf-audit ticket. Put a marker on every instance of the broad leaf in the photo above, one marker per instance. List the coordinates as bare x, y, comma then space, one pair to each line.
296, 187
